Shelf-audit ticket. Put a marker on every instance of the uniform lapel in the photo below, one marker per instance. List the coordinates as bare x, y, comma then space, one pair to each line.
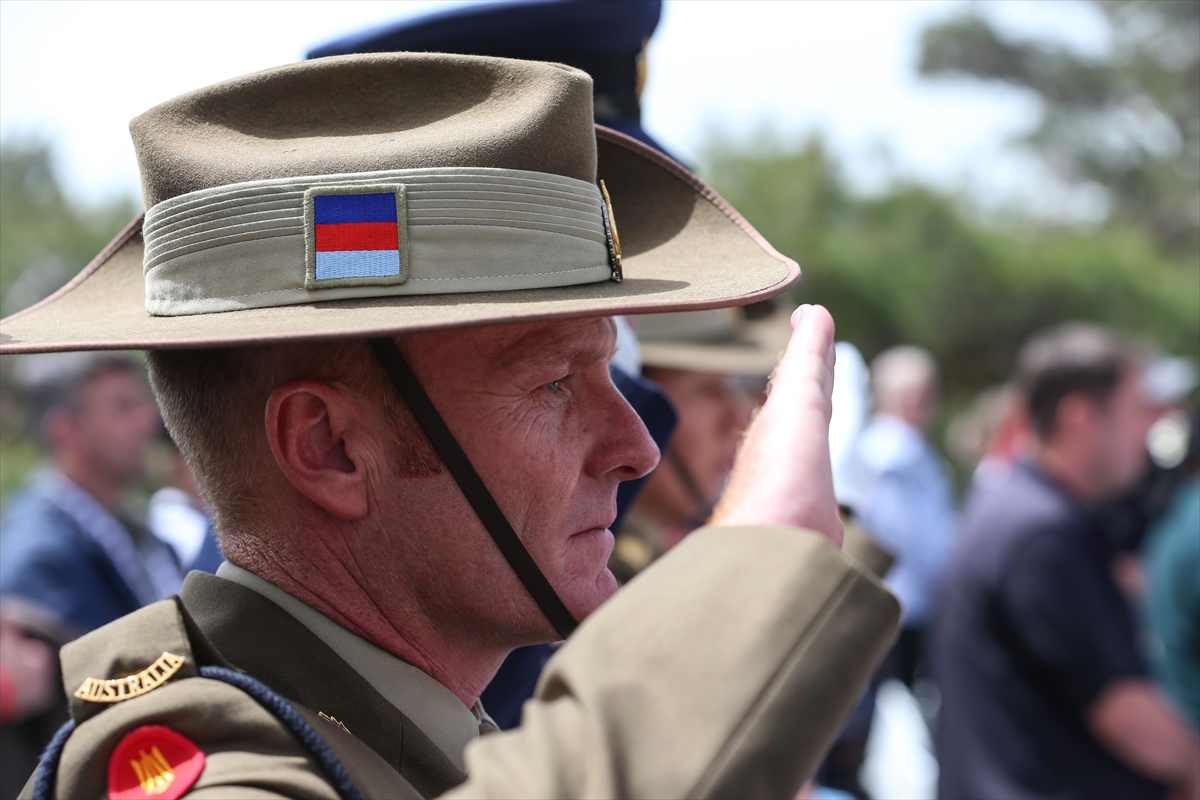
263, 640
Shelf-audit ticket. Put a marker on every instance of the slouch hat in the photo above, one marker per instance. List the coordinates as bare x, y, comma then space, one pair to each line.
367, 195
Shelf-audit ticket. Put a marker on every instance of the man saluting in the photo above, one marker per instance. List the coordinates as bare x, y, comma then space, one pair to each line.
374, 291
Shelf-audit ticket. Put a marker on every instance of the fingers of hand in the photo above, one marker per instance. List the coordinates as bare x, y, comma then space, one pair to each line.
805, 373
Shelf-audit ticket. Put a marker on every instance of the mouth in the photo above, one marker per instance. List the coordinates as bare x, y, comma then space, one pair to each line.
598, 541
585, 553
593, 533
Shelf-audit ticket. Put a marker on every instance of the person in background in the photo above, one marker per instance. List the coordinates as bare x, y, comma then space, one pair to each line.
1172, 605
32, 706
991, 435
838, 776
713, 367
72, 558
178, 515
69, 543
1044, 689
606, 40
1126, 519
852, 480
910, 505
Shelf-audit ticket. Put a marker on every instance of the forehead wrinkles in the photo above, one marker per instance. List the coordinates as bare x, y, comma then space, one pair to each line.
525, 345
547, 344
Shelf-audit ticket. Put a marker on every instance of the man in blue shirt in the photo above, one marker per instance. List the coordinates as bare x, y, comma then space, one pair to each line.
71, 559
909, 507
1045, 690
69, 547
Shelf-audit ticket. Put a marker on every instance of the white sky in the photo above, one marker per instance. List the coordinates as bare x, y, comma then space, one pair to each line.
76, 72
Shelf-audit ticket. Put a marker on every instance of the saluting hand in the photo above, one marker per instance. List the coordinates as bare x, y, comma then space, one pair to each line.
783, 475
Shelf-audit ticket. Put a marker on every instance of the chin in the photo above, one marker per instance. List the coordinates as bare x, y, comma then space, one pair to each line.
606, 584
588, 582
585, 596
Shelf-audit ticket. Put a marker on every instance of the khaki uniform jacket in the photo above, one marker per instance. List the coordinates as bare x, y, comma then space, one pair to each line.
725, 670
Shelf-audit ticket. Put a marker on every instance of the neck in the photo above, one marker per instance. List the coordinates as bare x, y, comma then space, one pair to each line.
1068, 468
107, 490
328, 579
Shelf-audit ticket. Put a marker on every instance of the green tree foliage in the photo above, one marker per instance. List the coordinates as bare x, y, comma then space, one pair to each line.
44, 237
1129, 122
911, 266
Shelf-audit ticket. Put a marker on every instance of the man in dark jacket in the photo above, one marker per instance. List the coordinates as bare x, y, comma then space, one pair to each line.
1045, 691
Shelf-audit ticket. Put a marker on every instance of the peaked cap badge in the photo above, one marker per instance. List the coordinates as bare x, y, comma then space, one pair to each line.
114, 690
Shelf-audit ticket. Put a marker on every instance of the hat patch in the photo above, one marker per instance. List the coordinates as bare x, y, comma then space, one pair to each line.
153, 761
355, 236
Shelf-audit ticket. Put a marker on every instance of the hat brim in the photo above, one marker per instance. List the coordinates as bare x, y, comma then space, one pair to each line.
684, 249
754, 350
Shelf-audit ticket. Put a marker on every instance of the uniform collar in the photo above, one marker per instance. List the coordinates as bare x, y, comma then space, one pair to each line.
430, 705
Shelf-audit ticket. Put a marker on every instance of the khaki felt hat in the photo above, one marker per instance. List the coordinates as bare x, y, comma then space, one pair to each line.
744, 340
373, 194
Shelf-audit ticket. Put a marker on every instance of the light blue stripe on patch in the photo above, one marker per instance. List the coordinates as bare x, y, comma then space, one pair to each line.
357, 264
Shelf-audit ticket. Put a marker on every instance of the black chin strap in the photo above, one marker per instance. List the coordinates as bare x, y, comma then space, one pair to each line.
472, 487
700, 503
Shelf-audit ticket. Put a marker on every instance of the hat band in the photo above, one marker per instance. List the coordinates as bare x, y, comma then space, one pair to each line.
441, 230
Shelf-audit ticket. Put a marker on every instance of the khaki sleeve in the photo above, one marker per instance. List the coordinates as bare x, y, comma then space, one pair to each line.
725, 670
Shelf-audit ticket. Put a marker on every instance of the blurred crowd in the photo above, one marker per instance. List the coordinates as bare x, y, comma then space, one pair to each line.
1051, 619
1050, 600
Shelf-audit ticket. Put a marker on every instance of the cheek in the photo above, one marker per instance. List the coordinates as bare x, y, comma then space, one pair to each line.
104, 430
131, 428
534, 465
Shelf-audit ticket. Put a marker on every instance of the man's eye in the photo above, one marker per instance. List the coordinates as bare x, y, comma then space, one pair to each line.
552, 387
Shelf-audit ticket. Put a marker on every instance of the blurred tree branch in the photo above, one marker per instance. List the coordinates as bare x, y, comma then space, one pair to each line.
914, 265
1129, 122
45, 238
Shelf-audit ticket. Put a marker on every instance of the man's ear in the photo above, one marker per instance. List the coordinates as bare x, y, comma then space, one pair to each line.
308, 425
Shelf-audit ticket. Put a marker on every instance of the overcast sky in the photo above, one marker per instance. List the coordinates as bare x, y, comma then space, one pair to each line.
75, 73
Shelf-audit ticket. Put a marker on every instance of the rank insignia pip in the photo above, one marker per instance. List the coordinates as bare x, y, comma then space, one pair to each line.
153, 761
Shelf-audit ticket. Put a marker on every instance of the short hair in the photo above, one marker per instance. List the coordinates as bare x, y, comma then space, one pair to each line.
213, 403
55, 381
1073, 358
901, 369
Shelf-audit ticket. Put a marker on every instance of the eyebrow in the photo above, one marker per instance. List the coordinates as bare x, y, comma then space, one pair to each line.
565, 350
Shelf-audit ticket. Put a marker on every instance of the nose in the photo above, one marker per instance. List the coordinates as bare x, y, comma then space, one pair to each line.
623, 445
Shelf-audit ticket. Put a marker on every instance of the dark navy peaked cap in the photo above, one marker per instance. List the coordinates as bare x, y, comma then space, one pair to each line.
512, 29
600, 37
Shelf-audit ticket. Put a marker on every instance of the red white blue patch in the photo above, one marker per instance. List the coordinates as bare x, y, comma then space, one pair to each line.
356, 236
